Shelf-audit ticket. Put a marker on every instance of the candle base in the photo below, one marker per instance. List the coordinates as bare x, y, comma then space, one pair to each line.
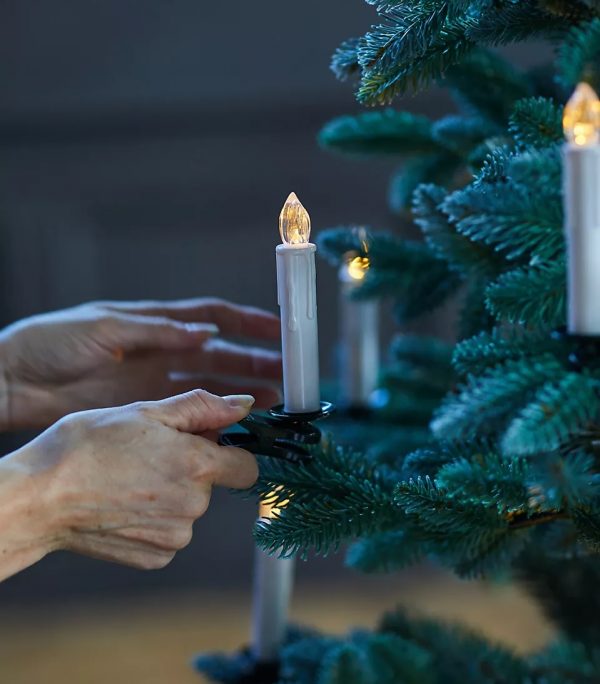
242, 667
280, 434
239, 668
582, 350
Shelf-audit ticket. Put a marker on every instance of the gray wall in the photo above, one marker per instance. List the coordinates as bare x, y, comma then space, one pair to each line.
145, 151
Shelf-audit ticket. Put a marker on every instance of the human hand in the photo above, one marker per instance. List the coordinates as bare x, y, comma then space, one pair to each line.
108, 353
122, 484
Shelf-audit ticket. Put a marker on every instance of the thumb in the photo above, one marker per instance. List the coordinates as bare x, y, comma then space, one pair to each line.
157, 332
198, 411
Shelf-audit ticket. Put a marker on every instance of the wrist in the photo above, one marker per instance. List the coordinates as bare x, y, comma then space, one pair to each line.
27, 529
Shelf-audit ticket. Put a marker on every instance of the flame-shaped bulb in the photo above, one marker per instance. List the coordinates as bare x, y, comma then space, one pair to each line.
358, 267
294, 222
581, 119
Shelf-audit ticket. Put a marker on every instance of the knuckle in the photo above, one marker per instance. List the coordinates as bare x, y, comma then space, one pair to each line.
215, 302
69, 428
96, 304
202, 465
200, 395
143, 409
105, 324
201, 400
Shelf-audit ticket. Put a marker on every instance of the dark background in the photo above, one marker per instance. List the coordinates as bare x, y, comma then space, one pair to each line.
145, 151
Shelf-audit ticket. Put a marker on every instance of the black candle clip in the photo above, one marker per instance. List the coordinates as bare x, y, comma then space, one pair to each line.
280, 434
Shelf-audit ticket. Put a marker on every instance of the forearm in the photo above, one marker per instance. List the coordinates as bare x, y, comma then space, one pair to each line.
25, 526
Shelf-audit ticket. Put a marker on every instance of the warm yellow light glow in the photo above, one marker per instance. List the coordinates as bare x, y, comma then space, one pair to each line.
294, 222
266, 509
581, 119
358, 267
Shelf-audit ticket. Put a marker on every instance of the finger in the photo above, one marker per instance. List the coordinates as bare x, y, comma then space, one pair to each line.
231, 319
219, 357
133, 332
125, 552
198, 411
265, 396
166, 537
229, 466
243, 321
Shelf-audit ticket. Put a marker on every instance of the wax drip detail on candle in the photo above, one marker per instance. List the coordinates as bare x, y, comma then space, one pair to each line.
292, 313
311, 300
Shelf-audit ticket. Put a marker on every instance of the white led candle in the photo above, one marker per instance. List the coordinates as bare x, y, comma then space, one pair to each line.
297, 296
359, 337
582, 210
273, 582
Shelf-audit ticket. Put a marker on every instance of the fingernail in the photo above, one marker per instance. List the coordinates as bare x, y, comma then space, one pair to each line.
240, 400
206, 328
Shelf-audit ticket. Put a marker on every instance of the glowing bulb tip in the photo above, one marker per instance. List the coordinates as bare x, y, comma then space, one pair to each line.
581, 120
294, 222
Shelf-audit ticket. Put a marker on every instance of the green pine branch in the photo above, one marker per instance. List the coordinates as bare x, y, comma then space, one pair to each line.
558, 412
487, 85
536, 122
485, 350
381, 132
579, 54
417, 68
344, 62
502, 23
484, 403
518, 223
462, 254
442, 167
335, 497
534, 296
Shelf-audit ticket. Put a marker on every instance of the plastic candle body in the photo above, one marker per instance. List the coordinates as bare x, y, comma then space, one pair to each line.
582, 210
273, 582
297, 297
359, 338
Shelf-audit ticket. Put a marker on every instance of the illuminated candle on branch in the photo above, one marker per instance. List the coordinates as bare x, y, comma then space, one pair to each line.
297, 295
582, 210
286, 432
273, 583
359, 332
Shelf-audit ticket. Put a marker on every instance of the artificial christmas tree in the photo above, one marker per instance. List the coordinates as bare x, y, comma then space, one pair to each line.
486, 456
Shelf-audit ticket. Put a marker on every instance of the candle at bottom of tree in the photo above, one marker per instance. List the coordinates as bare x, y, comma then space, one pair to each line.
273, 584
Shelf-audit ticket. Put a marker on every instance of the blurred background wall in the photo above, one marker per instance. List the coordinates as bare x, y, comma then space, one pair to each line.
146, 149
